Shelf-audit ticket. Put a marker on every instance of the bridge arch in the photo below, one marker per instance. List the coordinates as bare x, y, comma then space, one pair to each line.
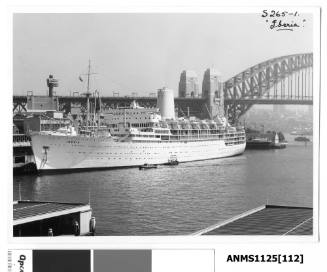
283, 80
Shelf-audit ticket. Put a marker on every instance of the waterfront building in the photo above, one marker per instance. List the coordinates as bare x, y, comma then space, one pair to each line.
50, 218
188, 84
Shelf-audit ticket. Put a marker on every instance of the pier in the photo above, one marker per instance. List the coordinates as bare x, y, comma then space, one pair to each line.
23, 157
21, 140
40, 218
266, 220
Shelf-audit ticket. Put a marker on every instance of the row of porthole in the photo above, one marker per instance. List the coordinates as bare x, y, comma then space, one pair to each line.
126, 153
145, 147
172, 141
113, 158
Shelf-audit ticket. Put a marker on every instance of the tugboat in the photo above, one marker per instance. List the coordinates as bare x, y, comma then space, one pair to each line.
268, 140
147, 166
258, 143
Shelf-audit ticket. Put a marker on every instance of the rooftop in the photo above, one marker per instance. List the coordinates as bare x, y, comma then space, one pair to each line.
28, 211
266, 220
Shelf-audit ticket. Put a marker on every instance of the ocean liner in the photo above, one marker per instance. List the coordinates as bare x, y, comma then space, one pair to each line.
136, 136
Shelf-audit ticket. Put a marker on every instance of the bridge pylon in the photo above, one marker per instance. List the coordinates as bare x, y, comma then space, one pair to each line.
212, 91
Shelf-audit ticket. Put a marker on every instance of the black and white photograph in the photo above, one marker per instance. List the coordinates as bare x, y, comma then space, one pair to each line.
165, 123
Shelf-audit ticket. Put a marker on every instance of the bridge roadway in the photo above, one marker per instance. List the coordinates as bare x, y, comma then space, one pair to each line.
144, 100
271, 101
193, 106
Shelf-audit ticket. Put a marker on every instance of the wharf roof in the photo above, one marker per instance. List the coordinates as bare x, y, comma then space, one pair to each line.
266, 220
29, 211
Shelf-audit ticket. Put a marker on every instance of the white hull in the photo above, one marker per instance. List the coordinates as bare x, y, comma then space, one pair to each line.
68, 152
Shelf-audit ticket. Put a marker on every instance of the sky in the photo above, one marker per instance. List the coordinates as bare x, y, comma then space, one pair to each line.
142, 52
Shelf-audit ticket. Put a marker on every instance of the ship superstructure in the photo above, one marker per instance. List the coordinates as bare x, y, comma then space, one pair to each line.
120, 120
138, 136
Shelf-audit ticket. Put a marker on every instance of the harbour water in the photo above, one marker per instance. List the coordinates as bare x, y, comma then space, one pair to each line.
185, 198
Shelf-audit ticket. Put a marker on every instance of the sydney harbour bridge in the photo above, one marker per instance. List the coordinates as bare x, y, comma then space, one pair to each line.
283, 80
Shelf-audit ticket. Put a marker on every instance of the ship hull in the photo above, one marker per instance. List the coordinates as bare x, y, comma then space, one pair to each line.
67, 152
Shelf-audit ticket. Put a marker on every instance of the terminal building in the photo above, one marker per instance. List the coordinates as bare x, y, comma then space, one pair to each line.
42, 115
188, 84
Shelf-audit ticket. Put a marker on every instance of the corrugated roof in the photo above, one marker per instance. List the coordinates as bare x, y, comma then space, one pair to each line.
303, 229
268, 220
28, 211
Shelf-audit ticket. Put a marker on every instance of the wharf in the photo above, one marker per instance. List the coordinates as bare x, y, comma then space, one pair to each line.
23, 157
39, 218
266, 220
21, 140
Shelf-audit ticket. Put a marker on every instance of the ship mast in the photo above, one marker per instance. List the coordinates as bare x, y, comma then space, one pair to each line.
88, 94
88, 77
99, 110
95, 107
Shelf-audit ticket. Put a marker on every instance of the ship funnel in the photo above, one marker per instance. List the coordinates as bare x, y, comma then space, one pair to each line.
165, 103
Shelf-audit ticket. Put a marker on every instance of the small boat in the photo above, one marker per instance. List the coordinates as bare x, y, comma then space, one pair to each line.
172, 161
280, 145
302, 139
175, 162
147, 166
